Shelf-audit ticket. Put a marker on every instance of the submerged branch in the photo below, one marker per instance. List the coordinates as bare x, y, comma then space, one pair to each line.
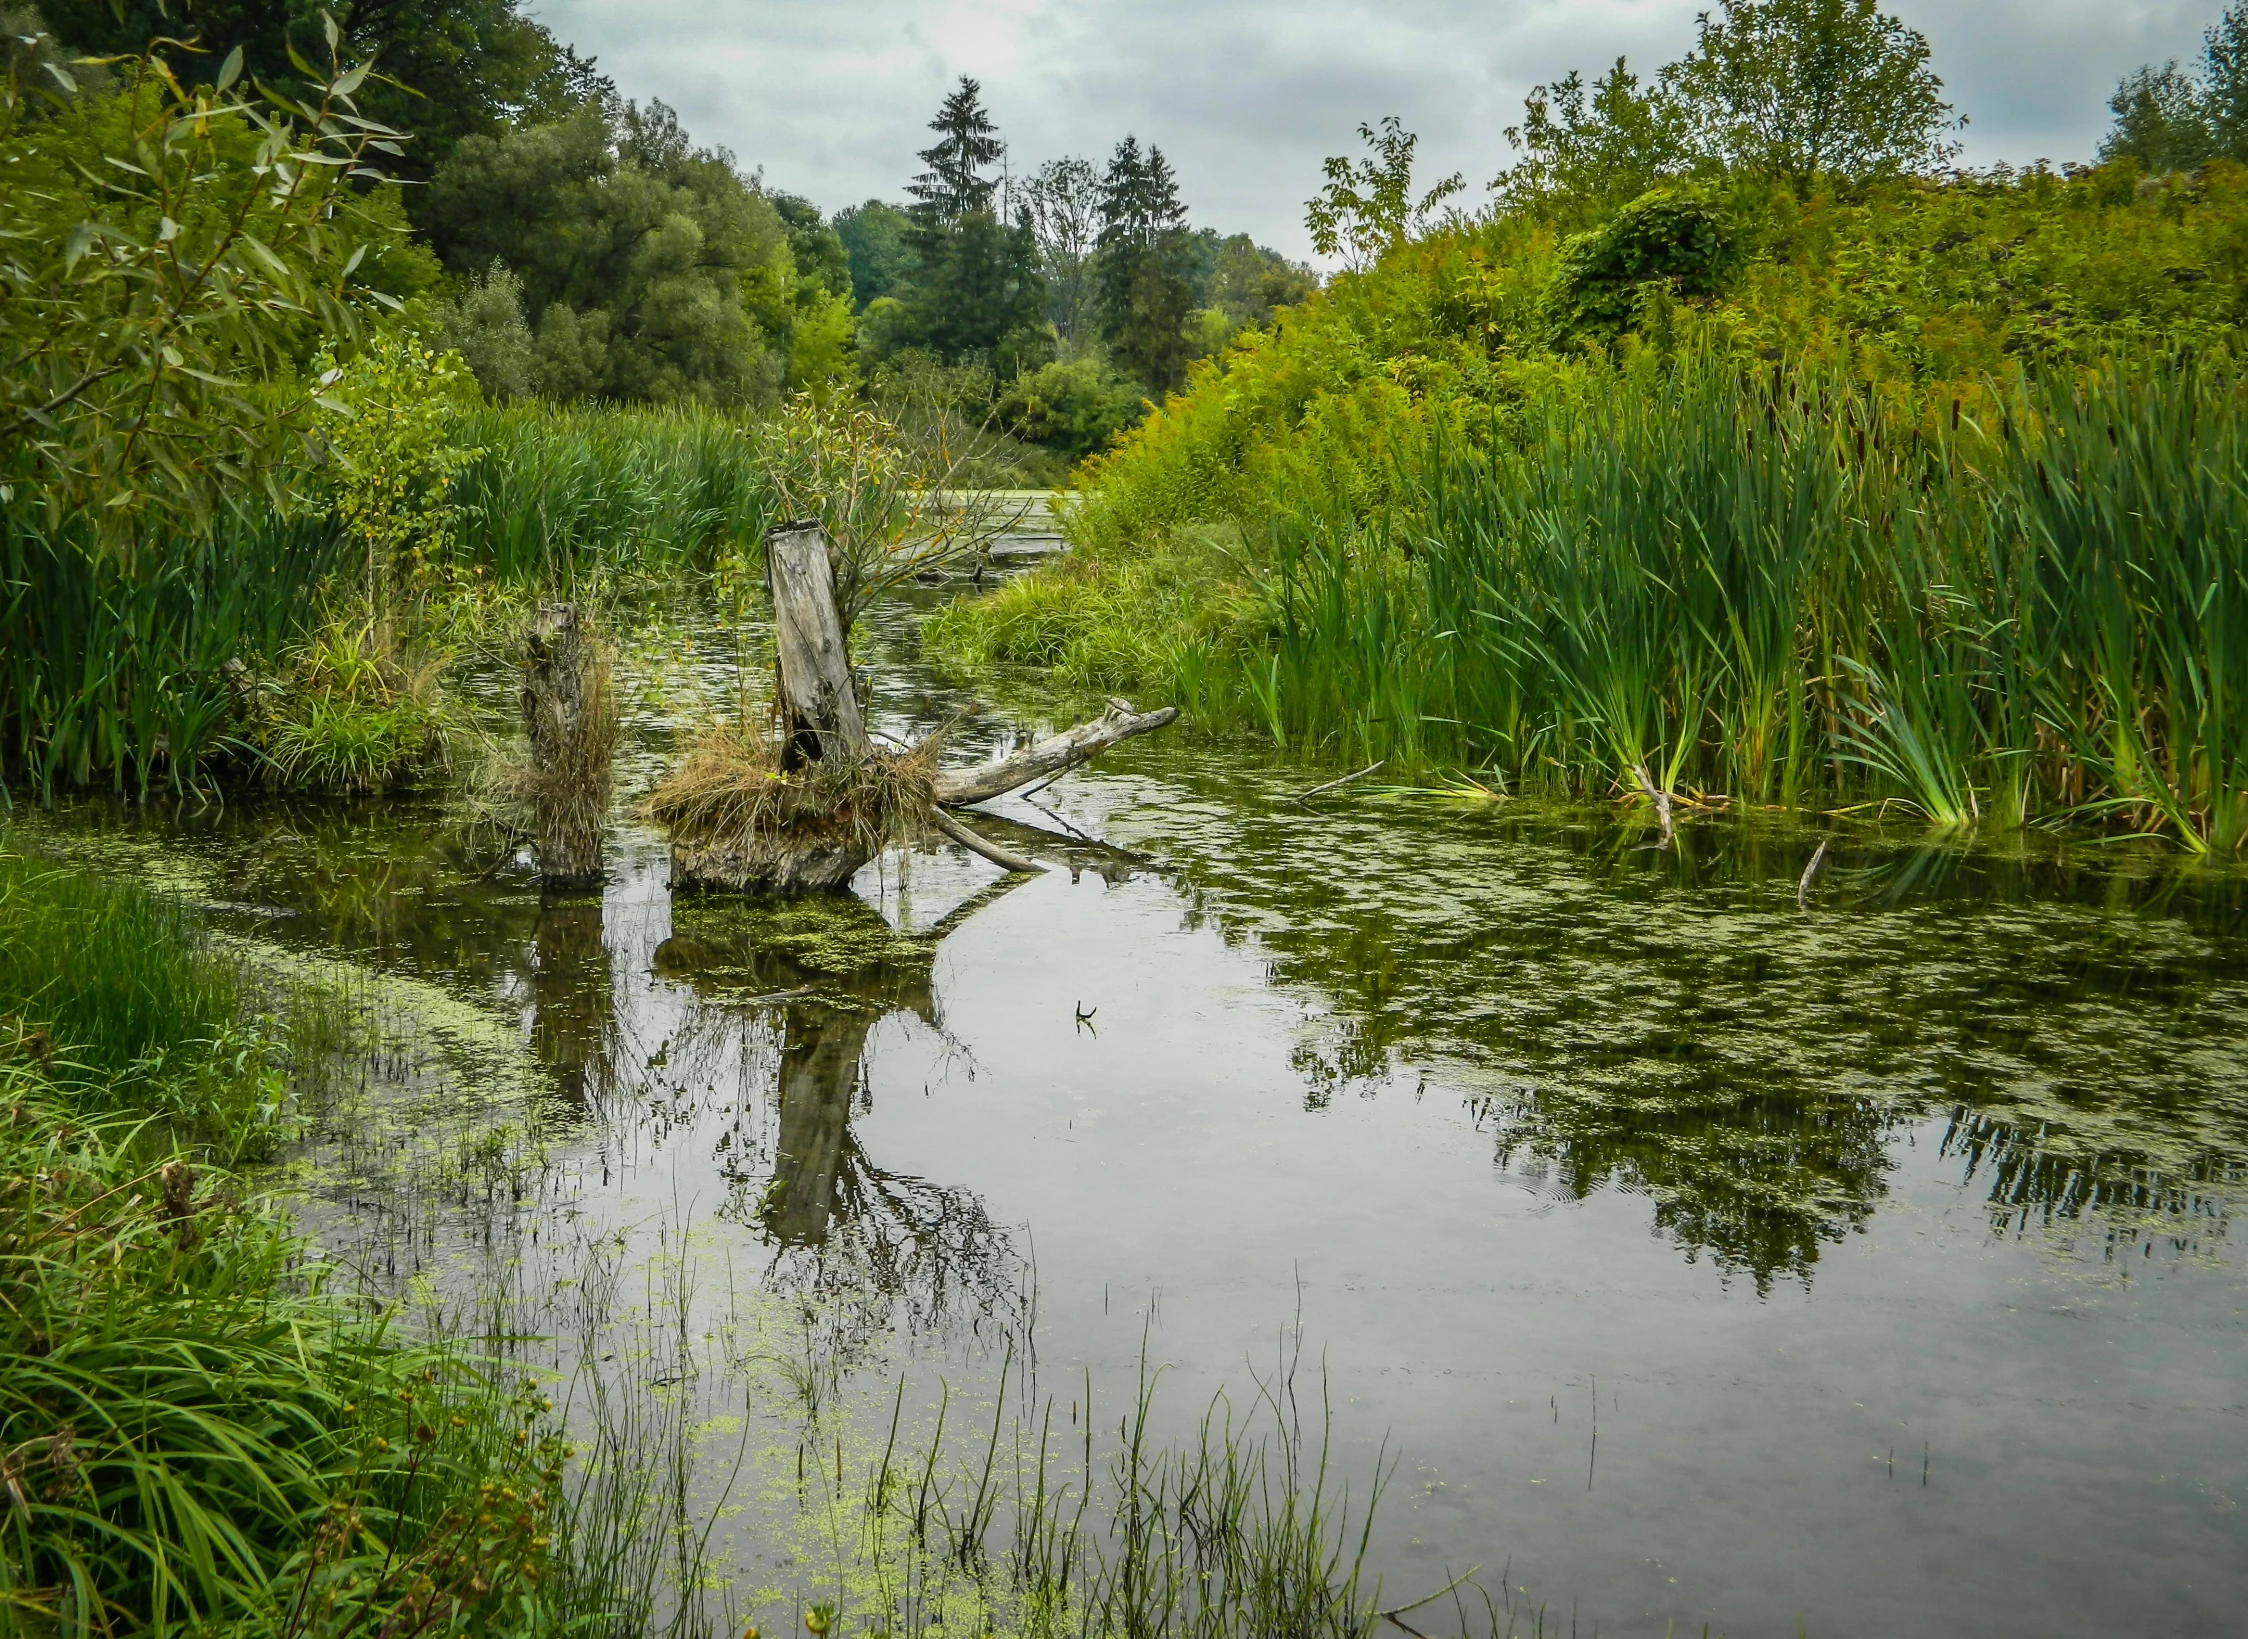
1002, 857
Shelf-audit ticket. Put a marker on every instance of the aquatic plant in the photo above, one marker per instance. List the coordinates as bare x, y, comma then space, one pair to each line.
1681, 579
185, 1442
358, 709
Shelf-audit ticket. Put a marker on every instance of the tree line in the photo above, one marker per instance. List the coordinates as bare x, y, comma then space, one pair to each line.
571, 243
574, 244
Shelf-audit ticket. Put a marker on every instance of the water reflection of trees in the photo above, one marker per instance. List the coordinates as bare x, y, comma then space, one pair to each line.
1671, 1022
862, 1239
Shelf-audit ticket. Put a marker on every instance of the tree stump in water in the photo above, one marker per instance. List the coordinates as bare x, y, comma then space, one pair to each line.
571, 721
838, 799
813, 694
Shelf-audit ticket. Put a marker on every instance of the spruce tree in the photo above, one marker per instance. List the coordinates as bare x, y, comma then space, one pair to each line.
1144, 275
976, 290
954, 185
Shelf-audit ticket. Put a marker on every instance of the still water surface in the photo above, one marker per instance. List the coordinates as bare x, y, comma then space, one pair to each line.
1704, 1252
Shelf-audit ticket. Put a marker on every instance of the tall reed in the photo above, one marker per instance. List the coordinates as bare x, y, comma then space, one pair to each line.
114, 666
1787, 588
558, 492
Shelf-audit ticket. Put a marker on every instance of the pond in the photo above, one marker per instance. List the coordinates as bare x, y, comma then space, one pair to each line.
1702, 1244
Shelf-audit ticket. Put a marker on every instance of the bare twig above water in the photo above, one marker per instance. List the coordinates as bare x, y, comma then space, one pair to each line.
1661, 800
1370, 768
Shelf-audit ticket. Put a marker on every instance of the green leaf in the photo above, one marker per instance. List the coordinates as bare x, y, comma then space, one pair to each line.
352, 266
328, 27
230, 70
80, 241
69, 85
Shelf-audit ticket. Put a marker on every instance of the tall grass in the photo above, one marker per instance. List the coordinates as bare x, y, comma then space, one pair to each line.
2025, 603
130, 669
191, 1441
559, 492
195, 1434
114, 666
127, 1007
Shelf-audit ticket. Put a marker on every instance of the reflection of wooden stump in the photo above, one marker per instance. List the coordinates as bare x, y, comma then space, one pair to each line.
570, 998
820, 1053
857, 970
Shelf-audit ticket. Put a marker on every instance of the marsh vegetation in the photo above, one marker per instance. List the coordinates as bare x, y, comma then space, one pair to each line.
1710, 777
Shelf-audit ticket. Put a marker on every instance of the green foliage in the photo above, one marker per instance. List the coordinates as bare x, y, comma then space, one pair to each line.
1798, 91
1677, 241
129, 674
483, 323
391, 411
1073, 406
120, 998
1062, 203
1590, 154
1250, 282
1368, 207
1169, 618
1804, 89
1144, 274
562, 494
878, 240
449, 68
354, 711
2169, 120
646, 269
1900, 494
172, 256
188, 1445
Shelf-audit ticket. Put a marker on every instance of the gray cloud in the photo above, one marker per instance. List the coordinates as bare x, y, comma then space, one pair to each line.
1248, 97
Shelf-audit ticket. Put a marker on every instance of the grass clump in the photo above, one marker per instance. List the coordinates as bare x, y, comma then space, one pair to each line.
119, 998
196, 1434
1182, 616
358, 710
192, 1438
730, 794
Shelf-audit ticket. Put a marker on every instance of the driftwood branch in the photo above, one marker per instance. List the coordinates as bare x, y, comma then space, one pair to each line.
1056, 754
1660, 798
975, 844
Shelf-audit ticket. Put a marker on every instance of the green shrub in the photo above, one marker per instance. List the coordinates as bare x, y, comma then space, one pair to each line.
1071, 406
1675, 240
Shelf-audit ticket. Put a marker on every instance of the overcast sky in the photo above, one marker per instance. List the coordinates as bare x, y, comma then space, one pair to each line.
830, 97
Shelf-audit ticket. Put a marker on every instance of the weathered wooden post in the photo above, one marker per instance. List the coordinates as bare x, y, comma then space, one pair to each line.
571, 721
818, 707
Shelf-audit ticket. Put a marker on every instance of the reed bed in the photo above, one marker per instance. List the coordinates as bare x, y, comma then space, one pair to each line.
130, 668
558, 493
2024, 604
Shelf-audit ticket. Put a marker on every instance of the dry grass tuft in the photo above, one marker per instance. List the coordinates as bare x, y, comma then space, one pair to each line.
730, 794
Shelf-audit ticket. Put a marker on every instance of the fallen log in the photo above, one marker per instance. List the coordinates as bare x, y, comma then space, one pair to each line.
1004, 858
1056, 754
